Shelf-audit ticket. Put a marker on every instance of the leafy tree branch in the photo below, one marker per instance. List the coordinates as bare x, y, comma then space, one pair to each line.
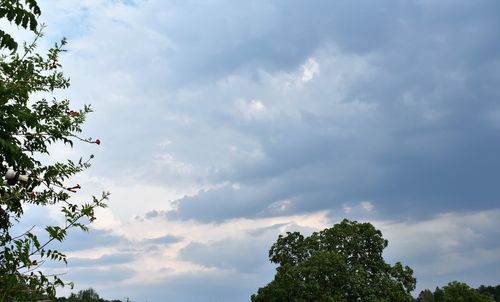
31, 122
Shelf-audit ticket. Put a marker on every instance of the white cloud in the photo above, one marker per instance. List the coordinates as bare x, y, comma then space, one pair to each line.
251, 109
279, 206
367, 206
347, 209
309, 70
168, 161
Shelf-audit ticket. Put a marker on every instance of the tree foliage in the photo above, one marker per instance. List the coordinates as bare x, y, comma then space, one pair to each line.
22, 13
493, 291
460, 292
341, 263
31, 121
86, 295
426, 296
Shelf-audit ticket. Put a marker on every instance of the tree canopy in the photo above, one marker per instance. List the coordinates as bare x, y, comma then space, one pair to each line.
341, 263
460, 292
493, 291
31, 121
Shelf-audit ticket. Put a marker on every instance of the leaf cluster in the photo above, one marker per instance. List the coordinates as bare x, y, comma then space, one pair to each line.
22, 13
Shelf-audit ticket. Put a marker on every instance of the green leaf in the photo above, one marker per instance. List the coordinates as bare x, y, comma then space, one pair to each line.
25, 21
6, 41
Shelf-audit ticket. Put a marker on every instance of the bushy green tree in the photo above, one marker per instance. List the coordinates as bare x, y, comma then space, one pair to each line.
32, 120
341, 263
426, 296
85, 295
459, 292
493, 291
438, 295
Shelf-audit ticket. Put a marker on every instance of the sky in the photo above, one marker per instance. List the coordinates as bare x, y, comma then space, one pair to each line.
226, 123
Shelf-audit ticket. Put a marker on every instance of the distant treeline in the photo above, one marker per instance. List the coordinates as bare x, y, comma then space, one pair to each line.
452, 292
458, 291
87, 295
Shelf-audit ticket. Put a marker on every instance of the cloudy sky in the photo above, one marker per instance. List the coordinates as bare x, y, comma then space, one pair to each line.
226, 123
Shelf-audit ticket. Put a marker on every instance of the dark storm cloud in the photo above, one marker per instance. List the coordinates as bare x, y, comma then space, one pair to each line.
420, 50
215, 38
219, 37
402, 112
220, 204
430, 144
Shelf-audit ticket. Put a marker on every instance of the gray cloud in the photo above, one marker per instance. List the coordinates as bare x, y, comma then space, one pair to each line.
106, 260
79, 240
423, 145
96, 277
220, 204
402, 112
223, 286
162, 240
447, 247
244, 255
